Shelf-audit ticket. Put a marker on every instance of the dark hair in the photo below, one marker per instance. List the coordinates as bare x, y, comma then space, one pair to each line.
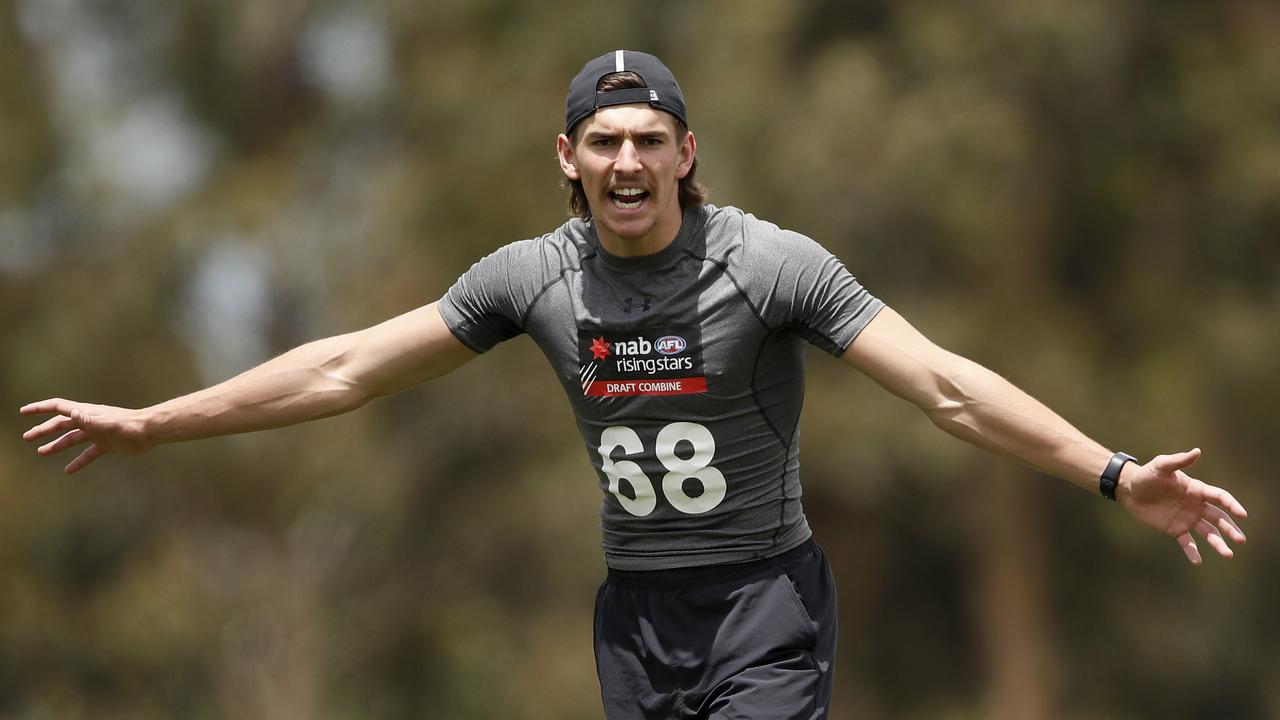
691, 192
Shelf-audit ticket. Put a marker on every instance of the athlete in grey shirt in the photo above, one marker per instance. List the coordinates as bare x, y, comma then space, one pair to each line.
686, 362
675, 329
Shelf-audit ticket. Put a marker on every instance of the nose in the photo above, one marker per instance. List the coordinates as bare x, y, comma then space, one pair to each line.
628, 160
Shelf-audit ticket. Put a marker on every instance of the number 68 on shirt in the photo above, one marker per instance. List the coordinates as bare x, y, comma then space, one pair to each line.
696, 467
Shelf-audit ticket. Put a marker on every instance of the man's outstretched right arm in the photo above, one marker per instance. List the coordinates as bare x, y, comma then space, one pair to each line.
320, 379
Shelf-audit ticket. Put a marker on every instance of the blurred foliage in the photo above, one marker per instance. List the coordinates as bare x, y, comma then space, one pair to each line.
1084, 196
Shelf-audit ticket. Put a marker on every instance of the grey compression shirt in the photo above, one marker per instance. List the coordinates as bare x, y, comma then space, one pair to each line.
684, 370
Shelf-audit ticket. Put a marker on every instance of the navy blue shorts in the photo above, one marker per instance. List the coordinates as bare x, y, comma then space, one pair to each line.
752, 640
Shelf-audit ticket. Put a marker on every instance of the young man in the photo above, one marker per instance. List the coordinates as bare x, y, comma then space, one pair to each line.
675, 328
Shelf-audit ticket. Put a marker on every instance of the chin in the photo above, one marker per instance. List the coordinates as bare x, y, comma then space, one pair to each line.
629, 229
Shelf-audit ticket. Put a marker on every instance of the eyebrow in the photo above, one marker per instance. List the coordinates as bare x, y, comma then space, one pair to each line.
642, 134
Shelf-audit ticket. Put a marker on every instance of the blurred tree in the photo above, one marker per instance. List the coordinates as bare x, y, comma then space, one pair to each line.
1084, 196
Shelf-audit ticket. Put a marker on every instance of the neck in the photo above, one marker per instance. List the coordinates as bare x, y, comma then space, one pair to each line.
662, 234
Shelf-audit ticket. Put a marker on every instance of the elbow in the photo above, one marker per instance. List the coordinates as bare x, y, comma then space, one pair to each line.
950, 406
953, 421
336, 374
349, 394
354, 392
357, 397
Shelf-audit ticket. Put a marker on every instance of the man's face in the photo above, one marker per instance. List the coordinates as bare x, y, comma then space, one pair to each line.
630, 159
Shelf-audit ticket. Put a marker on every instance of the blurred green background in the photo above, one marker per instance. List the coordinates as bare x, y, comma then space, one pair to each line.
1082, 195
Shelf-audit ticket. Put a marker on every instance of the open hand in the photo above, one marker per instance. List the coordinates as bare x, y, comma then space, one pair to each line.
1162, 496
107, 428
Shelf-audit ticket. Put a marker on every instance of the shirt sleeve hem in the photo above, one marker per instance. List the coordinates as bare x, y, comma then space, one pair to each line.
457, 325
864, 319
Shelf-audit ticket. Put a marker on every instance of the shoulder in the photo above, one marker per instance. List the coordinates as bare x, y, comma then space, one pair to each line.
489, 302
566, 246
543, 257
739, 238
723, 229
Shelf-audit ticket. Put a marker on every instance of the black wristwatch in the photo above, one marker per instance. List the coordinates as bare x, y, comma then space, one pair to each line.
1111, 476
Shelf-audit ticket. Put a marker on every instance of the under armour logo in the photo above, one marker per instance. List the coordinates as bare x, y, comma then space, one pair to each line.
630, 303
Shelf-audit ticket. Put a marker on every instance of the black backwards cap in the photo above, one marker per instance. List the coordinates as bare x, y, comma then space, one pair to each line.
663, 93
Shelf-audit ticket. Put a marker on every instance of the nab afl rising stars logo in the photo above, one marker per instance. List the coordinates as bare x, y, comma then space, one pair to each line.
643, 362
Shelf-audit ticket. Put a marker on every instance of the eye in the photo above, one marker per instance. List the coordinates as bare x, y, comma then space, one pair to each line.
652, 141
602, 142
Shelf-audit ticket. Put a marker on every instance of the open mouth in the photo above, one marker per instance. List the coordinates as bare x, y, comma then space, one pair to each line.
628, 198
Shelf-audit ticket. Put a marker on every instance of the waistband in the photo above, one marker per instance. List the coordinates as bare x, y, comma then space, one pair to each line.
685, 578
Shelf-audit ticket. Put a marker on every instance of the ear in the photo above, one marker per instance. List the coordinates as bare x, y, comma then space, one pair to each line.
688, 151
568, 161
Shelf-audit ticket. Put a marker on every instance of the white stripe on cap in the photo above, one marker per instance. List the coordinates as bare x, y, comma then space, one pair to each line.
618, 65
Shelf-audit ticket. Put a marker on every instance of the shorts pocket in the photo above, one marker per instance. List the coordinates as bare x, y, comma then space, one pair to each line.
797, 604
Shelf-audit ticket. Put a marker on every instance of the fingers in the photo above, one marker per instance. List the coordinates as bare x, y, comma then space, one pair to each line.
71, 420
1215, 526
1189, 548
1210, 533
67, 416
55, 424
75, 437
91, 453
1167, 464
1224, 523
1221, 497
52, 405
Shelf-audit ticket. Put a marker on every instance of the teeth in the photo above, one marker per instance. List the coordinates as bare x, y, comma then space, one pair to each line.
628, 198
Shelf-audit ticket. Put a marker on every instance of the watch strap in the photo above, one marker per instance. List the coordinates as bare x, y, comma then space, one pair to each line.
1111, 475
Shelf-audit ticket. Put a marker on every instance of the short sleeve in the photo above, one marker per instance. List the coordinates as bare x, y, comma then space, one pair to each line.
802, 286
489, 302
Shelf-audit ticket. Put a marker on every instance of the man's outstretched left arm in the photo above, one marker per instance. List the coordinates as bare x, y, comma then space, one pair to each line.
978, 406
